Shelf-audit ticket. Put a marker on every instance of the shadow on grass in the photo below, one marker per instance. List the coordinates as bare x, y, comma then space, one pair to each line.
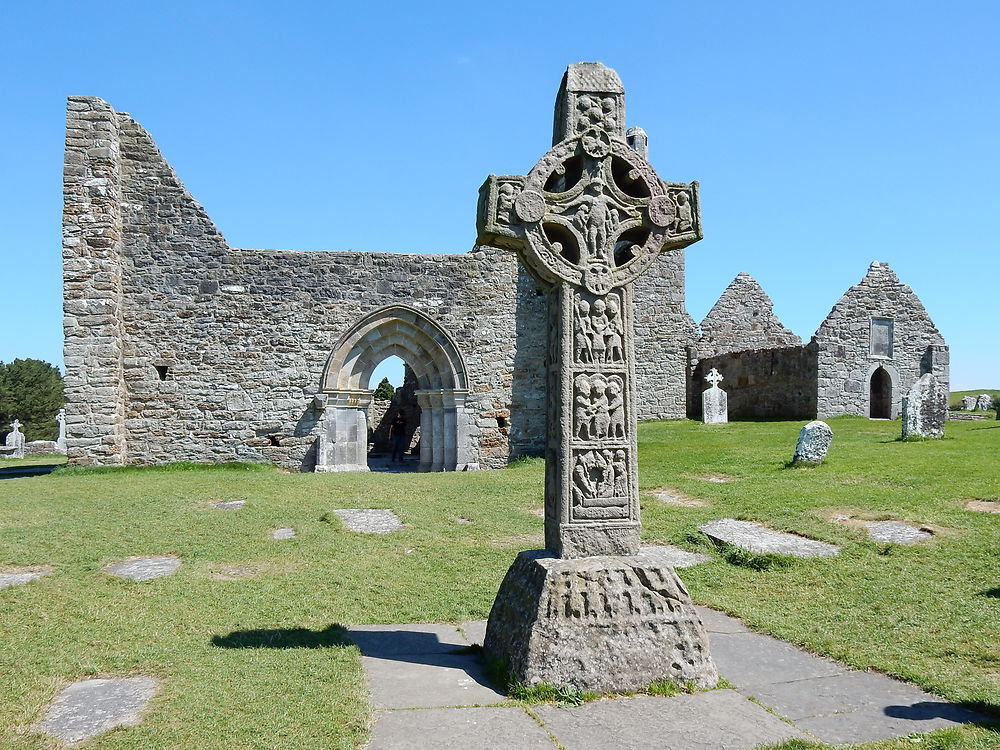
334, 636
992, 593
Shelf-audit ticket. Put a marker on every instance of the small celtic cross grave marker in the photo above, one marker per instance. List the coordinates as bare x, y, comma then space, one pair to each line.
587, 221
592, 611
714, 377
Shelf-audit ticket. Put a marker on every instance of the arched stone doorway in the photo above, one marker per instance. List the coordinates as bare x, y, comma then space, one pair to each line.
880, 394
440, 370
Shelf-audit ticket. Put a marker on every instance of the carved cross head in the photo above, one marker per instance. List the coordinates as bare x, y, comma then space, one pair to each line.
592, 212
15, 425
714, 377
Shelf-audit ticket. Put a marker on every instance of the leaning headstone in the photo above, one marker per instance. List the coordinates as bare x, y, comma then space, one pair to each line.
14, 443
144, 568
590, 218
984, 402
968, 403
754, 537
925, 408
813, 443
714, 402
88, 708
61, 440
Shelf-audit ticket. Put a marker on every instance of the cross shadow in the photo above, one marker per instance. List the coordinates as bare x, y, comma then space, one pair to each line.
926, 710
334, 636
993, 593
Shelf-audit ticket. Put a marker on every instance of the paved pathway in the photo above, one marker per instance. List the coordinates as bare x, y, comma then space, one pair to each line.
428, 691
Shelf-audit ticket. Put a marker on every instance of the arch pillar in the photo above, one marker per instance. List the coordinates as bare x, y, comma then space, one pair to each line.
343, 437
443, 430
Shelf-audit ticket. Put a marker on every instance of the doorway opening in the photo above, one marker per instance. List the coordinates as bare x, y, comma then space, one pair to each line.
880, 395
393, 418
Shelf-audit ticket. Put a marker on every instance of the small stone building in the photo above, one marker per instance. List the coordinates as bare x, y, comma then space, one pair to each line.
180, 347
875, 343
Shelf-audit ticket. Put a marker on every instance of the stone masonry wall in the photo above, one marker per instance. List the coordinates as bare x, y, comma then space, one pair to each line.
182, 348
773, 383
843, 341
743, 318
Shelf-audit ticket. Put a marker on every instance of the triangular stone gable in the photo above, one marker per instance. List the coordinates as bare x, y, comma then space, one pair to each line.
743, 318
879, 294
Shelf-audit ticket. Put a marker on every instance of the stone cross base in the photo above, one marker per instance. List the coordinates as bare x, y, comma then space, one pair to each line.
607, 624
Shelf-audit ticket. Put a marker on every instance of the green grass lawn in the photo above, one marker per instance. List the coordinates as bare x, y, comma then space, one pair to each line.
929, 614
50, 460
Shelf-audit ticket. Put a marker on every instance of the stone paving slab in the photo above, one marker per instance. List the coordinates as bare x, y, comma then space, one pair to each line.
503, 728
369, 520
144, 568
91, 707
475, 632
675, 557
385, 641
757, 538
703, 721
429, 681
872, 725
19, 576
229, 504
286, 532
750, 659
896, 532
719, 622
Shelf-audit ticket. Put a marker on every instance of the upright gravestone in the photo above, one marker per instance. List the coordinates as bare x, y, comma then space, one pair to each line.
925, 408
968, 403
984, 402
714, 402
813, 443
61, 440
590, 611
15, 440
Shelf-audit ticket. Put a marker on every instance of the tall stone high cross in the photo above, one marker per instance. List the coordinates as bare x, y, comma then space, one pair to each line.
592, 611
587, 221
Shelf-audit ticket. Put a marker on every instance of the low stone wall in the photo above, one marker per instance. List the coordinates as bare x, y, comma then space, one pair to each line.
774, 383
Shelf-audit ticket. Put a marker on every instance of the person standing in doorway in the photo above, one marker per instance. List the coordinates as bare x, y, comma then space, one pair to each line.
397, 434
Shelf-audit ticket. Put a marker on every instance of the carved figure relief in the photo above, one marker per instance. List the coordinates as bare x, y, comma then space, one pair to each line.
595, 112
505, 203
598, 333
598, 407
600, 478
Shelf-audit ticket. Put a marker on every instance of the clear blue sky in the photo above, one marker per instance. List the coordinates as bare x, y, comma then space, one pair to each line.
824, 135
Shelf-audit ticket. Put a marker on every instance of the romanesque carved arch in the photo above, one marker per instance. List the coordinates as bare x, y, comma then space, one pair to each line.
396, 330
441, 375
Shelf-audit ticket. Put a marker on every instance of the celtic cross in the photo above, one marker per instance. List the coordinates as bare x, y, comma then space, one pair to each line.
714, 377
587, 221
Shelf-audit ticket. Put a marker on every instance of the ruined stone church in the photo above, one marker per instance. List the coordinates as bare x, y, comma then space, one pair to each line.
180, 347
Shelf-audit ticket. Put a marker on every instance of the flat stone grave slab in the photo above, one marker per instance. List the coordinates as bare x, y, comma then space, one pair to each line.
506, 727
983, 506
702, 721
896, 532
229, 504
233, 573
754, 537
673, 497
369, 520
675, 557
88, 708
18, 576
283, 533
144, 568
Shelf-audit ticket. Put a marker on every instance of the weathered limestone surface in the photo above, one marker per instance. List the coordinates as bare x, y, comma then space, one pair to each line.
19, 576
597, 623
369, 520
714, 405
850, 348
179, 347
144, 568
984, 402
813, 443
743, 318
762, 540
925, 409
14, 445
896, 532
88, 708
969, 403
587, 221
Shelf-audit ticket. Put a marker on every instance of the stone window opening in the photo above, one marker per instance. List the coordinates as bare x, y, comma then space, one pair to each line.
162, 371
880, 337
273, 440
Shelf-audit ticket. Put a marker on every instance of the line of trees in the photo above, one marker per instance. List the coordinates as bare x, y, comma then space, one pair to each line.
31, 391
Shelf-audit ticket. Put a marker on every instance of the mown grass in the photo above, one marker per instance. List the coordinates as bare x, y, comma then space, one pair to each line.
49, 460
261, 662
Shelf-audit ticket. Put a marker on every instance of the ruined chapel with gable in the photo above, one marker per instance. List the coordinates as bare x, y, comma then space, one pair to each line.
180, 347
